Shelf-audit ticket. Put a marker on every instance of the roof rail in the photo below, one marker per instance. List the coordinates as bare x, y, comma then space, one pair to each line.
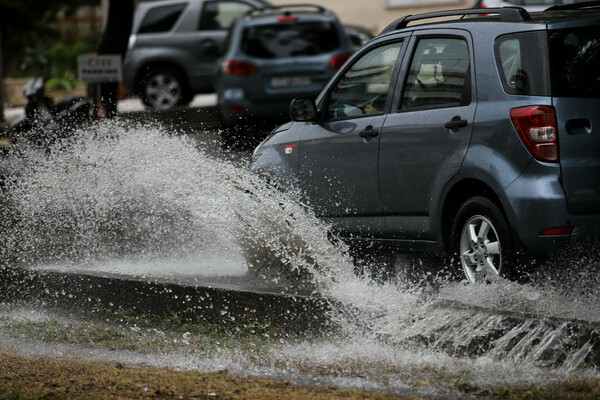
508, 14
288, 9
574, 6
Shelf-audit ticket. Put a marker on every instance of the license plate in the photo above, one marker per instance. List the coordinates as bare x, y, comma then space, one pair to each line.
289, 81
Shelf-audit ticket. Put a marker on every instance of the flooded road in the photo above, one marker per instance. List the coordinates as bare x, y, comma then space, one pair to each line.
146, 202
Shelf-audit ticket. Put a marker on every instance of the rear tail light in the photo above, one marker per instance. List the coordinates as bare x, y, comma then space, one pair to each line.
288, 19
239, 68
336, 62
236, 109
536, 125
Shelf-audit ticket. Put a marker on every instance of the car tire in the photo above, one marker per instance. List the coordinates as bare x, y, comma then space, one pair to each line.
482, 241
164, 88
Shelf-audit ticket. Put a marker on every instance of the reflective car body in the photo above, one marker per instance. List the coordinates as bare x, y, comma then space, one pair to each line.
475, 137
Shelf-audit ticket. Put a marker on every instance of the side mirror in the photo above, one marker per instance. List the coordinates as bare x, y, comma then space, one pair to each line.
303, 110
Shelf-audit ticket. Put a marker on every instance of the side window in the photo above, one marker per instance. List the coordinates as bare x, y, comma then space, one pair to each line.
161, 19
220, 14
522, 62
439, 75
363, 89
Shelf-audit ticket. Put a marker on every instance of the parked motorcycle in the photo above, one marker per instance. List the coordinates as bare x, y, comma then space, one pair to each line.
44, 121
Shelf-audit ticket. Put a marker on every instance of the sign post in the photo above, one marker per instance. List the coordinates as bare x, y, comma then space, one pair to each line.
99, 69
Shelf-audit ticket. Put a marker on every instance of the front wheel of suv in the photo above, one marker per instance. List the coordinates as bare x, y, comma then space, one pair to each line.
481, 239
164, 88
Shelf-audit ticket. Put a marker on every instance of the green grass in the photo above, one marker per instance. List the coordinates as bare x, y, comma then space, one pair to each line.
124, 329
16, 396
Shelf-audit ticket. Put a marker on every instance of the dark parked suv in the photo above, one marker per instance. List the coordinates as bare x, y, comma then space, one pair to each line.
274, 55
476, 137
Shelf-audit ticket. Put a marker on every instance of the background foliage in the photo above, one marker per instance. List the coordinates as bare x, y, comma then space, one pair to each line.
27, 32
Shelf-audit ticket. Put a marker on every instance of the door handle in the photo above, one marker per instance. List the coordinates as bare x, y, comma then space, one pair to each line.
456, 123
209, 47
369, 132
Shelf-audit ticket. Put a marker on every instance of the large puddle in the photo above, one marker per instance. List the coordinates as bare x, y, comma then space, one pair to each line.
140, 200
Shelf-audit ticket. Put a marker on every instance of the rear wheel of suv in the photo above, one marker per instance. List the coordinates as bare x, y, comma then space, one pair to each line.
481, 239
163, 88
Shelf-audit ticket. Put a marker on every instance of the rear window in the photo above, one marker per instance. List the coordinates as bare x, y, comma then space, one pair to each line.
161, 19
290, 39
575, 62
523, 63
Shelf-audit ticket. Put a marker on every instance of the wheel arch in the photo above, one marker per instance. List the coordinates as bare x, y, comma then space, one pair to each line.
456, 196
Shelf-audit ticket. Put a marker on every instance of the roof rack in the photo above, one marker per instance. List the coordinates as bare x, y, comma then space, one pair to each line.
288, 9
508, 14
574, 6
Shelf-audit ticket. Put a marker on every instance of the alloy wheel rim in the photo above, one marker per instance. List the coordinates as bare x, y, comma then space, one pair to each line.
163, 91
480, 250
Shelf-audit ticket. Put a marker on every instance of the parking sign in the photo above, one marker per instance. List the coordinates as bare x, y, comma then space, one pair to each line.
100, 68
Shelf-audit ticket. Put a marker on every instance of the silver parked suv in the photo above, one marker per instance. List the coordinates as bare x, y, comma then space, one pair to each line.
174, 46
476, 137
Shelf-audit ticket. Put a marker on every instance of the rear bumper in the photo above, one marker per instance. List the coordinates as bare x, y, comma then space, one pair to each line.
536, 203
239, 100
234, 112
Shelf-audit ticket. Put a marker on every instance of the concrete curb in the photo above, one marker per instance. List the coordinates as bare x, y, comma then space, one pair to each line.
214, 304
447, 326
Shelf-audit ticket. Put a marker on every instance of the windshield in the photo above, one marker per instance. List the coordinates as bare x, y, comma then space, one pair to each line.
290, 40
575, 62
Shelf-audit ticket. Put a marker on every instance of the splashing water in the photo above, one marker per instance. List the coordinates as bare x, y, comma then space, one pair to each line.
130, 194
133, 191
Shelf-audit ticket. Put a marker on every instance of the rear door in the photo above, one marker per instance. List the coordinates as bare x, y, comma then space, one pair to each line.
203, 30
425, 140
575, 76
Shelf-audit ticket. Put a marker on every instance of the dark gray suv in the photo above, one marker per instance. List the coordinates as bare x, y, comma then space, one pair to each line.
476, 137
274, 55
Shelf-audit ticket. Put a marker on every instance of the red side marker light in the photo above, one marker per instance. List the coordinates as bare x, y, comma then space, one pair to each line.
289, 148
565, 230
